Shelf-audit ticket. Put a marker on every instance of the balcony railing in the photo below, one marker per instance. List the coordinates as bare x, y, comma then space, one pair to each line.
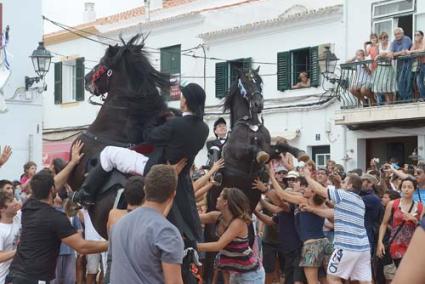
382, 81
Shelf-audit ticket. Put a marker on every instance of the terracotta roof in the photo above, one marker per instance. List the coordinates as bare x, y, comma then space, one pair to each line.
136, 12
63, 35
282, 19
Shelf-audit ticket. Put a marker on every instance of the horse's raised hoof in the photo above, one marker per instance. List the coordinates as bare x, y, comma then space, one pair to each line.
303, 156
262, 157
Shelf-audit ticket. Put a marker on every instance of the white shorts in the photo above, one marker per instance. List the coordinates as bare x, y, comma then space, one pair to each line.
93, 263
125, 160
352, 265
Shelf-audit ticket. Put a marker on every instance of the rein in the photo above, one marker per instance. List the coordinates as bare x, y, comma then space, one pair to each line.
107, 141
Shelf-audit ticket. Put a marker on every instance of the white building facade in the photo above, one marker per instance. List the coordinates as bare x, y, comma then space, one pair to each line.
21, 111
204, 41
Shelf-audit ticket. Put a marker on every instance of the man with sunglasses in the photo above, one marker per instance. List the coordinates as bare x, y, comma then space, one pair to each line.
280, 173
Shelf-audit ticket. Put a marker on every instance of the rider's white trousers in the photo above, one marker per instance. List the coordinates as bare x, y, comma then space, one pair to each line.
123, 159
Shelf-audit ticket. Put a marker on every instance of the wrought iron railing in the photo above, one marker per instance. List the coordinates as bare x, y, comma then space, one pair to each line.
382, 81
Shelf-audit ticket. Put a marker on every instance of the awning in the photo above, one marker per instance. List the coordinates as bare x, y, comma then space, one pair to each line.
52, 150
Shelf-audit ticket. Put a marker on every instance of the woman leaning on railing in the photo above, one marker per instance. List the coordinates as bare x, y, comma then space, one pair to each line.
384, 77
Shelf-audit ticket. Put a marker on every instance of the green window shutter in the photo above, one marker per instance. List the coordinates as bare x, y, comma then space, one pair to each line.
314, 67
171, 59
221, 79
283, 71
79, 79
246, 64
58, 82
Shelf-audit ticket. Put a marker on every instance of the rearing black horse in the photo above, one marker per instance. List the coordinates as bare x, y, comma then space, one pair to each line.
133, 99
247, 148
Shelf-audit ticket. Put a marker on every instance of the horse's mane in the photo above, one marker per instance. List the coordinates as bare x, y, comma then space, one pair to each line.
142, 94
232, 92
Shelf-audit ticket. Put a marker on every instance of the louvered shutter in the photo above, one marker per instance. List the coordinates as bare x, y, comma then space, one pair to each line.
58, 83
79, 79
221, 79
283, 71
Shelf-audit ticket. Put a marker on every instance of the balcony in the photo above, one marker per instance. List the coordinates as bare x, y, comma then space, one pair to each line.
382, 93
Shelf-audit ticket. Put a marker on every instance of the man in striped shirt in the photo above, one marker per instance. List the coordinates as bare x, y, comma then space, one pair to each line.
351, 256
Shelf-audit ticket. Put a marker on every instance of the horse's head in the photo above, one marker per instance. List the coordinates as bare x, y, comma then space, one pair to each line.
125, 67
246, 93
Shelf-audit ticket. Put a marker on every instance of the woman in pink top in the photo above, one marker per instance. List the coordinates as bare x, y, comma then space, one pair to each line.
372, 49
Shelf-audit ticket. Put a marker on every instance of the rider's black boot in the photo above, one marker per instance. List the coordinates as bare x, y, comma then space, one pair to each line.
86, 195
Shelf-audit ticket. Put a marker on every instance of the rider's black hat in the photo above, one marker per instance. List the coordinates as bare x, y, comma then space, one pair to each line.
219, 121
195, 98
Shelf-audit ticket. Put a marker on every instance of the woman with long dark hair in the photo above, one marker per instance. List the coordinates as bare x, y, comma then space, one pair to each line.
405, 214
235, 255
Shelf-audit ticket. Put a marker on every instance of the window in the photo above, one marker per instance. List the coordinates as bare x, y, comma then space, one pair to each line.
227, 72
390, 8
69, 81
291, 63
170, 58
321, 155
386, 16
389, 24
420, 22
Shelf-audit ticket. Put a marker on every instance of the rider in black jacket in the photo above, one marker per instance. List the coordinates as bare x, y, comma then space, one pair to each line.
215, 147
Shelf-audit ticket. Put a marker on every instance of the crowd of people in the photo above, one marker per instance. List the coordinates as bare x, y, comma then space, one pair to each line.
312, 224
386, 71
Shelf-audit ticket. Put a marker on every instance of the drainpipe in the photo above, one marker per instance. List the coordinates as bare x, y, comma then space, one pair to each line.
344, 140
147, 10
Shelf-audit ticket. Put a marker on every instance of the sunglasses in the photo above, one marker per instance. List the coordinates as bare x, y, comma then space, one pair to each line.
281, 173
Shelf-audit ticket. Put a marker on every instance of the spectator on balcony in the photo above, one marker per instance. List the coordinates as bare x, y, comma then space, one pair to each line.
361, 84
418, 65
304, 81
371, 49
384, 77
400, 47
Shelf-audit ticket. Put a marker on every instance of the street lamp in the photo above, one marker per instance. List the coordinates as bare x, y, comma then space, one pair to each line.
327, 63
41, 59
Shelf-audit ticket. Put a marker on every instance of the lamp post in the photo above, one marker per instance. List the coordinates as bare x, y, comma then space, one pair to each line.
327, 63
41, 59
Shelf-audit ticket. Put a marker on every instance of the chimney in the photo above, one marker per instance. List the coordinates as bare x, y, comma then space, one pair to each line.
155, 4
89, 14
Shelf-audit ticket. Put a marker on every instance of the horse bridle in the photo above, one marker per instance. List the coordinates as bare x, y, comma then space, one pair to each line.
244, 94
101, 71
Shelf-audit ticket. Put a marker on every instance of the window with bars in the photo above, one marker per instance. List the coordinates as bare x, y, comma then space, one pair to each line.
69, 81
227, 72
291, 63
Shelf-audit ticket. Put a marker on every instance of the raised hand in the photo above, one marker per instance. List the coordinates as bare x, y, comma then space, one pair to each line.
5, 155
76, 154
217, 165
257, 184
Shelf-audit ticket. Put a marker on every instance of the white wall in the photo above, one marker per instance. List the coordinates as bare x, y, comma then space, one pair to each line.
22, 119
262, 46
71, 114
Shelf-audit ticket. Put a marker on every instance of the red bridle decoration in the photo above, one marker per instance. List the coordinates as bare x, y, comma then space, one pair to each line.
99, 73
